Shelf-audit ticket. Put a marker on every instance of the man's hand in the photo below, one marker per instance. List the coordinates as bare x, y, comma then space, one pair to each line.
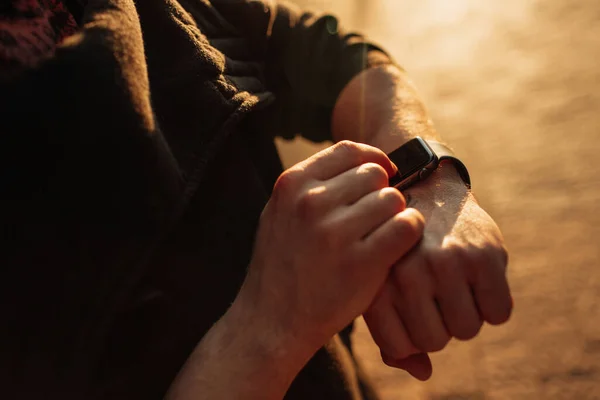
326, 241
324, 247
448, 285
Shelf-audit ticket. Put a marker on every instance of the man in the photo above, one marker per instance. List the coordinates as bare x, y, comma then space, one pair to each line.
137, 158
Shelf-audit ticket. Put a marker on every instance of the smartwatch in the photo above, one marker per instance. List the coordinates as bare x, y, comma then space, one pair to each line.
418, 158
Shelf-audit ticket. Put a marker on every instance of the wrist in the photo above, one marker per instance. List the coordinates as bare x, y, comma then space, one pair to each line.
272, 340
446, 173
444, 182
238, 358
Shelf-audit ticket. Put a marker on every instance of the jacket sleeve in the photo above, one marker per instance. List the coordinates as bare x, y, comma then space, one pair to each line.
309, 59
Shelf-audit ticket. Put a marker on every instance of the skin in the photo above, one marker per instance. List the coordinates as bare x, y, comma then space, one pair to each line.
325, 245
334, 242
455, 279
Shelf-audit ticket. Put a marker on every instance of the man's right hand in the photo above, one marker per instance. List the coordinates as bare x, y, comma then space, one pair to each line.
326, 241
324, 247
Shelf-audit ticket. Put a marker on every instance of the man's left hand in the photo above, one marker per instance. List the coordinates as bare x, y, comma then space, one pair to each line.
449, 285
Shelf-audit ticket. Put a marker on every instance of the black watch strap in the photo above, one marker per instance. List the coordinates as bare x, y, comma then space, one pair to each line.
444, 153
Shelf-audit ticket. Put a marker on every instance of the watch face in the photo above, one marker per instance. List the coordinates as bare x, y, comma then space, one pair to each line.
410, 159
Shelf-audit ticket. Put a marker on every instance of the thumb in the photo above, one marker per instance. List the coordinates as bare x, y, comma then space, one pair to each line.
418, 365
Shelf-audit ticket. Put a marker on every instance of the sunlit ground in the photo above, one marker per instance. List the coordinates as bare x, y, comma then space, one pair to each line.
515, 86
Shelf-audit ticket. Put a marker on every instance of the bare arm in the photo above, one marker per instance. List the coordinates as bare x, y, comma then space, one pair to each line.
380, 106
240, 358
455, 279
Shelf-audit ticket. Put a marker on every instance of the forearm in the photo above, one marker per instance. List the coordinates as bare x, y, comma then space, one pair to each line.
381, 107
241, 357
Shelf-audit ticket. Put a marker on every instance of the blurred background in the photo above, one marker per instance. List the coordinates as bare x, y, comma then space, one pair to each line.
514, 86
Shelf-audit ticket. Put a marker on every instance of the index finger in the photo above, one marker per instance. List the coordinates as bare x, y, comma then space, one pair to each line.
344, 156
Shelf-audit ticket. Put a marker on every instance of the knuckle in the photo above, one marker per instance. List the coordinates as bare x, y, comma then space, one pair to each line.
481, 257
469, 331
436, 343
375, 173
501, 316
483, 262
460, 251
409, 280
407, 230
347, 145
404, 350
442, 265
286, 183
398, 352
455, 258
308, 205
392, 198
359, 151
495, 258
503, 254
392, 359
351, 149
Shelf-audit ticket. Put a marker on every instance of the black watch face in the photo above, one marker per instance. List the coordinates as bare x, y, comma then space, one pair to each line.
410, 158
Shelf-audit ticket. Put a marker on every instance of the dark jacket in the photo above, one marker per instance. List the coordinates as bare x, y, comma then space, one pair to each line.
134, 166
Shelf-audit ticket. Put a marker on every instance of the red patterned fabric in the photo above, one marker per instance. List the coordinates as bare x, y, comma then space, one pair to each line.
31, 29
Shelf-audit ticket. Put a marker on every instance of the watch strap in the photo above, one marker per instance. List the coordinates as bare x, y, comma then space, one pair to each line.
445, 153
